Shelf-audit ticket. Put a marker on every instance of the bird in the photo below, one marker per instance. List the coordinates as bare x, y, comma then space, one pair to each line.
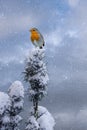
36, 38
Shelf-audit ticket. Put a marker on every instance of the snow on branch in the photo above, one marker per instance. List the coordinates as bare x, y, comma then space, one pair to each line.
16, 90
5, 105
36, 73
45, 120
16, 93
5, 102
35, 67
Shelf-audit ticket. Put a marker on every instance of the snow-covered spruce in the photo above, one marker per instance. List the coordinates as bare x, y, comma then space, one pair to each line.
16, 93
5, 105
32, 123
36, 74
45, 120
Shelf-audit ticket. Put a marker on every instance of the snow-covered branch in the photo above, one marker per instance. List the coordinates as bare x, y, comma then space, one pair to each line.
45, 120
16, 93
36, 74
5, 106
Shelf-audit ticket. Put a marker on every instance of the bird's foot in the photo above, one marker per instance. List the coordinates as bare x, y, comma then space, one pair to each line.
41, 47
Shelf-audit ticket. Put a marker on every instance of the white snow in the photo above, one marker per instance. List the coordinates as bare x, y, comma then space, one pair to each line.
35, 51
18, 104
17, 119
6, 119
16, 90
43, 79
36, 58
4, 102
35, 63
32, 92
32, 124
45, 121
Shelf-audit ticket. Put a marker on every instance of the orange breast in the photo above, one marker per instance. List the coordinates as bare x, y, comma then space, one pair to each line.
35, 36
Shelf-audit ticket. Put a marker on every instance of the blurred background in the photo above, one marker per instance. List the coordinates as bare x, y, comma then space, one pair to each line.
64, 27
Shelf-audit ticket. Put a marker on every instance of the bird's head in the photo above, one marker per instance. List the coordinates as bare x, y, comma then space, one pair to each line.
33, 30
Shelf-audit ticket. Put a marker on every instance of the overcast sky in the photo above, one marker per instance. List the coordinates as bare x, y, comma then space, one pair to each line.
63, 24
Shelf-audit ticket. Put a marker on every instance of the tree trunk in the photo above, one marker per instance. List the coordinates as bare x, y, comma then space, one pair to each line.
35, 104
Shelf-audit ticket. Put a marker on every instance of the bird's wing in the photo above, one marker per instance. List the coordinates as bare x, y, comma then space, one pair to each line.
42, 38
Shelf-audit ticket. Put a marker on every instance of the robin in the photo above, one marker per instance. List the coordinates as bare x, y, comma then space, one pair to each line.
37, 38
